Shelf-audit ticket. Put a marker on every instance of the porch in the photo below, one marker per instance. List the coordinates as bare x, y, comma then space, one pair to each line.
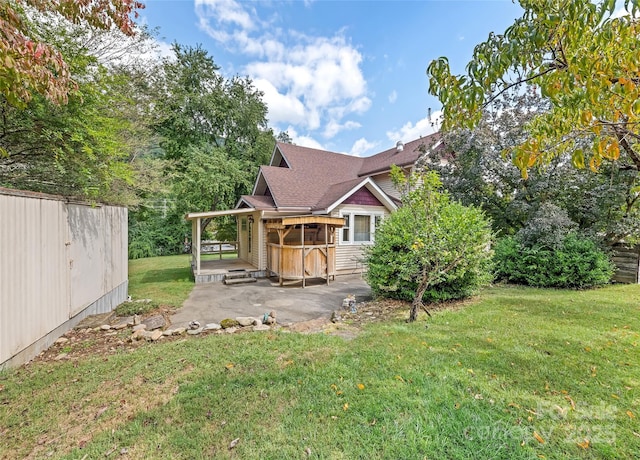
214, 270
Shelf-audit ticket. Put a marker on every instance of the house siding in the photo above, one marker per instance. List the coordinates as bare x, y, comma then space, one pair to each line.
386, 185
349, 257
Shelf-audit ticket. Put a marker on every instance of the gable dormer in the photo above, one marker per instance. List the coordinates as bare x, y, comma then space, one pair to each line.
278, 159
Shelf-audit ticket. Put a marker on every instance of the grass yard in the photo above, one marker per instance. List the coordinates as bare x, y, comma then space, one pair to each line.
517, 373
165, 280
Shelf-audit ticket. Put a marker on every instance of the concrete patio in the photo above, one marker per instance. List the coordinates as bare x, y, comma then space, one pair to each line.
213, 302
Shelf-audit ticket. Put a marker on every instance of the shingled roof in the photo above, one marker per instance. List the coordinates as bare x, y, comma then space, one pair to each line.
315, 179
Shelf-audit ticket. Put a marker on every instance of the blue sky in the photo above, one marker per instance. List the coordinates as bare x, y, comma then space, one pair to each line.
345, 76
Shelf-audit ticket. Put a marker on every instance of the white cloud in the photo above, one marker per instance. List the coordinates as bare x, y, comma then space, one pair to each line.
333, 127
393, 97
361, 146
409, 132
310, 82
226, 11
304, 141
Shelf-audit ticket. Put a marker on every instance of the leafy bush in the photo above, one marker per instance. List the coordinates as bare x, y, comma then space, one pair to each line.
431, 249
576, 263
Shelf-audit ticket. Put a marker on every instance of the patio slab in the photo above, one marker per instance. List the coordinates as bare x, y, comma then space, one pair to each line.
213, 302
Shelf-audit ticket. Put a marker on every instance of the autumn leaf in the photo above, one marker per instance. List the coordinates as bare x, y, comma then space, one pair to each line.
630, 414
360, 386
538, 437
346, 406
399, 377
584, 444
230, 366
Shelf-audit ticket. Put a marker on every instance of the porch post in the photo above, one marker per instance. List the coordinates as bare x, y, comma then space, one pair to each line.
303, 270
198, 236
326, 248
281, 238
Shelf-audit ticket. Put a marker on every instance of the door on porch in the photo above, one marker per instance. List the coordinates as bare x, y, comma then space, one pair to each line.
243, 238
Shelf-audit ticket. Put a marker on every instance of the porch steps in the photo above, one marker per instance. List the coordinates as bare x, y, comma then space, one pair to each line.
239, 277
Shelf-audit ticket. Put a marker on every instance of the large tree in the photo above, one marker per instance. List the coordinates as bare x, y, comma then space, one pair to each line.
32, 65
603, 205
213, 128
82, 148
582, 56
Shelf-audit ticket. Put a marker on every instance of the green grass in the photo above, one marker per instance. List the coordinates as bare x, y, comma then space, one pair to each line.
165, 280
479, 382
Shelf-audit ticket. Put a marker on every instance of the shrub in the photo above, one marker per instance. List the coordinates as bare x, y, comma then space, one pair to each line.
431, 249
576, 263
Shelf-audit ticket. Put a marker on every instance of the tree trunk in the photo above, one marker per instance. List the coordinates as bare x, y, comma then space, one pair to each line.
417, 300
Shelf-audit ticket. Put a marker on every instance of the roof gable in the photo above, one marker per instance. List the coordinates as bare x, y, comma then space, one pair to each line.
304, 178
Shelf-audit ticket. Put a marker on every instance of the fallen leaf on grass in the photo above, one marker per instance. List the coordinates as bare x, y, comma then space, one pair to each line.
630, 414
360, 386
584, 444
234, 443
230, 366
614, 396
100, 412
538, 437
573, 404
399, 377
346, 406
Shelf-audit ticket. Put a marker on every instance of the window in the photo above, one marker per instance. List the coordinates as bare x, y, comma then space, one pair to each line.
346, 229
362, 228
359, 228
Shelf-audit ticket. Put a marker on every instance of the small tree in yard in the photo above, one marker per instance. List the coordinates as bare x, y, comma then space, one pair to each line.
432, 248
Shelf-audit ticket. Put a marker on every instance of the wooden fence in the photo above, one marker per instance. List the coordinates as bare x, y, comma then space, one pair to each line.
627, 261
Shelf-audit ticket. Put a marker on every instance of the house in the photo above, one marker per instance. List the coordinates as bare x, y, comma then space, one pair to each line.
311, 211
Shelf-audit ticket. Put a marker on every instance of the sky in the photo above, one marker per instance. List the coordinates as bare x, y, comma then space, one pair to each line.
344, 76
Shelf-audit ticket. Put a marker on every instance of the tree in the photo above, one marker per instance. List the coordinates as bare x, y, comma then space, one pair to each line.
31, 65
213, 129
82, 148
580, 56
431, 248
477, 173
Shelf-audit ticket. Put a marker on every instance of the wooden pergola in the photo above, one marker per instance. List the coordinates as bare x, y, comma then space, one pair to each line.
307, 257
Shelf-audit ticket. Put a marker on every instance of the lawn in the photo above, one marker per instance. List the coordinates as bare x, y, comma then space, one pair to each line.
165, 280
516, 373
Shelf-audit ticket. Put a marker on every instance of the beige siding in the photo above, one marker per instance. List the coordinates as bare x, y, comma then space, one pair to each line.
55, 260
386, 185
349, 256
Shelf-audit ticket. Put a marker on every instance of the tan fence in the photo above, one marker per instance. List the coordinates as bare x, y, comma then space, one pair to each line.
59, 262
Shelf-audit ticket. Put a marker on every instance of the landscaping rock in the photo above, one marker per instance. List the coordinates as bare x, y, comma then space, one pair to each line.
228, 322
261, 327
195, 331
61, 340
336, 317
155, 335
168, 332
139, 327
105, 327
270, 318
136, 320
194, 324
154, 322
245, 321
212, 327
137, 335
231, 330
179, 330
121, 323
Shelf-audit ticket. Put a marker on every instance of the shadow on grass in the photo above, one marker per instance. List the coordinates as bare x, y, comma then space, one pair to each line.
167, 275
